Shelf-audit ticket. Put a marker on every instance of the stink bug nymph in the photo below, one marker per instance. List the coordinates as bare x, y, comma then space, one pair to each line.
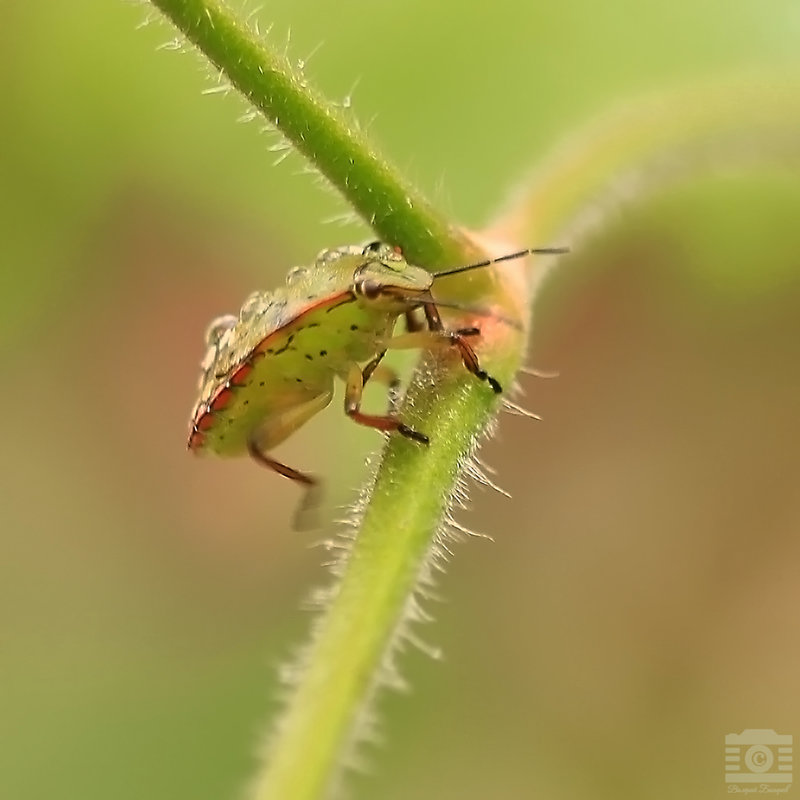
272, 367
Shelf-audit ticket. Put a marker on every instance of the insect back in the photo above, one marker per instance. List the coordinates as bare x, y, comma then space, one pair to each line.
271, 367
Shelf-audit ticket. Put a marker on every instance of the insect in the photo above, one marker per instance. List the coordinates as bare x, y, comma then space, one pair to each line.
268, 370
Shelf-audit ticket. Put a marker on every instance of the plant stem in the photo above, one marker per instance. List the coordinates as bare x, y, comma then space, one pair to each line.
351, 655
394, 210
371, 605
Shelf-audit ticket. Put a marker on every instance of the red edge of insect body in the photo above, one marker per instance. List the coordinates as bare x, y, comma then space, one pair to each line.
203, 418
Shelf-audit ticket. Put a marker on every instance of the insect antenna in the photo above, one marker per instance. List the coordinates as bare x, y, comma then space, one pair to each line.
476, 310
531, 251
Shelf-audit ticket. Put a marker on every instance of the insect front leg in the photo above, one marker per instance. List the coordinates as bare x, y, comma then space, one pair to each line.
356, 378
457, 338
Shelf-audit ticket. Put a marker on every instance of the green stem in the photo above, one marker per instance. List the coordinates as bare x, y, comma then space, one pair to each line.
373, 604
389, 560
394, 210
370, 607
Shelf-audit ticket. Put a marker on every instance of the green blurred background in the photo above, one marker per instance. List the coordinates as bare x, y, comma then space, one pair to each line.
641, 597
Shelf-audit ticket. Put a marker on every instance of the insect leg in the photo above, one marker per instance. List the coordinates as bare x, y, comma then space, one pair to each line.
375, 370
457, 338
352, 404
371, 367
305, 517
468, 355
288, 472
413, 322
277, 427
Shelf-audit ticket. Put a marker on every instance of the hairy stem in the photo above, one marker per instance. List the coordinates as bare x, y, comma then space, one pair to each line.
397, 212
351, 655
347, 658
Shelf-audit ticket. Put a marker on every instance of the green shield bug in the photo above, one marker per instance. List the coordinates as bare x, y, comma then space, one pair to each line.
271, 368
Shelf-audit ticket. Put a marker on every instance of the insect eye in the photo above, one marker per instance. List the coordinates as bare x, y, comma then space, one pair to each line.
368, 288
